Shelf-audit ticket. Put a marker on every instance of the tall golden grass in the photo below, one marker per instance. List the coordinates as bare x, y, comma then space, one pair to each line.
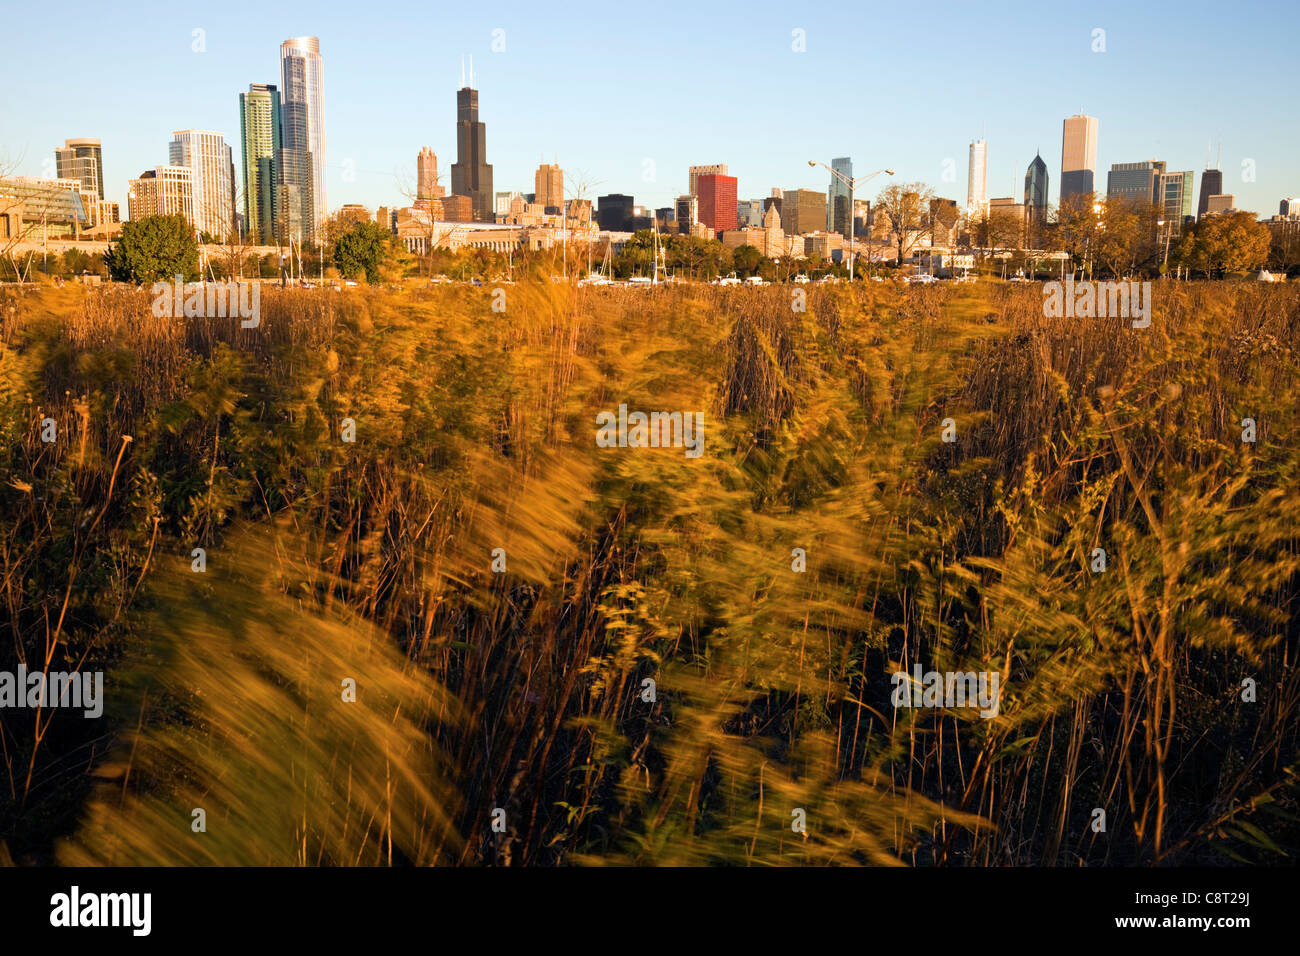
524, 690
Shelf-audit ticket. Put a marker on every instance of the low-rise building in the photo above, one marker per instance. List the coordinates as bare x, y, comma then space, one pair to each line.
947, 264
32, 208
822, 243
354, 213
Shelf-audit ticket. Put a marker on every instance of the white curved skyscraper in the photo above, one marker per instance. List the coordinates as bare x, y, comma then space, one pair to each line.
977, 180
302, 88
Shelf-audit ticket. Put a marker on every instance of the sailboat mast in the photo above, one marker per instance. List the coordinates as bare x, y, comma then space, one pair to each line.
655, 280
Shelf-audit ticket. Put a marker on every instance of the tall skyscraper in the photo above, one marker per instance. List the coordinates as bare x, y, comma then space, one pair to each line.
548, 184
749, 213
717, 196
208, 157
1078, 156
259, 128
802, 211
1211, 185
837, 204
695, 172
426, 174
1174, 192
302, 79
82, 159
1136, 182
687, 209
1036, 180
977, 180
294, 192
862, 215
471, 175
614, 212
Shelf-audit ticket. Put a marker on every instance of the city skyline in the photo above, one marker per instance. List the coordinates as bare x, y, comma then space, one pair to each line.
534, 108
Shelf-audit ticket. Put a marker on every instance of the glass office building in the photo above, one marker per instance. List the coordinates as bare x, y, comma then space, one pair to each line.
259, 127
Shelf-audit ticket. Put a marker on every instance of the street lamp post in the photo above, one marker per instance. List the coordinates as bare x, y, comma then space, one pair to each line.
1164, 265
851, 183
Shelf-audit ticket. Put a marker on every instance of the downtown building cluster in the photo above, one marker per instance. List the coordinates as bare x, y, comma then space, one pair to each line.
1170, 192
281, 158
281, 162
273, 191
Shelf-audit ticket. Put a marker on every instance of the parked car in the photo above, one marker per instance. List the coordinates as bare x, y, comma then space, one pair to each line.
801, 279
754, 280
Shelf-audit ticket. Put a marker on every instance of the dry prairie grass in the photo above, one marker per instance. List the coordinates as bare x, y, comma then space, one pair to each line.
475, 432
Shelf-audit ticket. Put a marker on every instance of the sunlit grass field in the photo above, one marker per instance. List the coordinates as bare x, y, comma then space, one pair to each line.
473, 636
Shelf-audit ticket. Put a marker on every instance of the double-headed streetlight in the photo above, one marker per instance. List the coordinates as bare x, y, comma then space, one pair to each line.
850, 182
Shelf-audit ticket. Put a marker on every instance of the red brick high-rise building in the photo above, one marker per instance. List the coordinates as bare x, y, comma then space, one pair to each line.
717, 199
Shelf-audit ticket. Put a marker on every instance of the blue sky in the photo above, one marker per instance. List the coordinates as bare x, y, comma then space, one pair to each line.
630, 94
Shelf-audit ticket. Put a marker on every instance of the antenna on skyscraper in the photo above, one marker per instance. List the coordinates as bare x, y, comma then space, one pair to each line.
462, 70
1218, 160
471, 70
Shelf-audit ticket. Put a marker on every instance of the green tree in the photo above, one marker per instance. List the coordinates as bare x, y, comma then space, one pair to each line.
747, 259
153, 248
1227, 242
363, 249
75, 262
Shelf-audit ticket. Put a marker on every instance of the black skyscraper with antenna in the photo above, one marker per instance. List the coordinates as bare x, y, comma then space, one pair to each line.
471, 175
